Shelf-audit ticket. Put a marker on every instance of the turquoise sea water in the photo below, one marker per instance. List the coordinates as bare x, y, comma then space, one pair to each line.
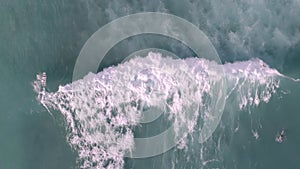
47, 36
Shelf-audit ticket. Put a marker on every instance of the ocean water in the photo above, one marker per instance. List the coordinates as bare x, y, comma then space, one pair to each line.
93, 122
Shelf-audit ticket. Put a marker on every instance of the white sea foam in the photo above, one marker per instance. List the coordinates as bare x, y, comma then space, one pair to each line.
102, 109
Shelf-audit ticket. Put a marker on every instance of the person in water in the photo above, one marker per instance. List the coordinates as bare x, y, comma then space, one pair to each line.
280, 137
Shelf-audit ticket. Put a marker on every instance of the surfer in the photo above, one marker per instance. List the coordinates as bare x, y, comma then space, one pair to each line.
44, 80
280, 137
41, 84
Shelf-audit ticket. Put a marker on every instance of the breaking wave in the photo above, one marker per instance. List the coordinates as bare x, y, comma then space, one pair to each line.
101, 110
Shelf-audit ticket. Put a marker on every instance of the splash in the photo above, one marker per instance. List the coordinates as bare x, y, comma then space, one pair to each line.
102, 109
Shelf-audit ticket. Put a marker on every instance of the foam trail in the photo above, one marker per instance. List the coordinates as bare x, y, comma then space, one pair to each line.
102, 109
292, 79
